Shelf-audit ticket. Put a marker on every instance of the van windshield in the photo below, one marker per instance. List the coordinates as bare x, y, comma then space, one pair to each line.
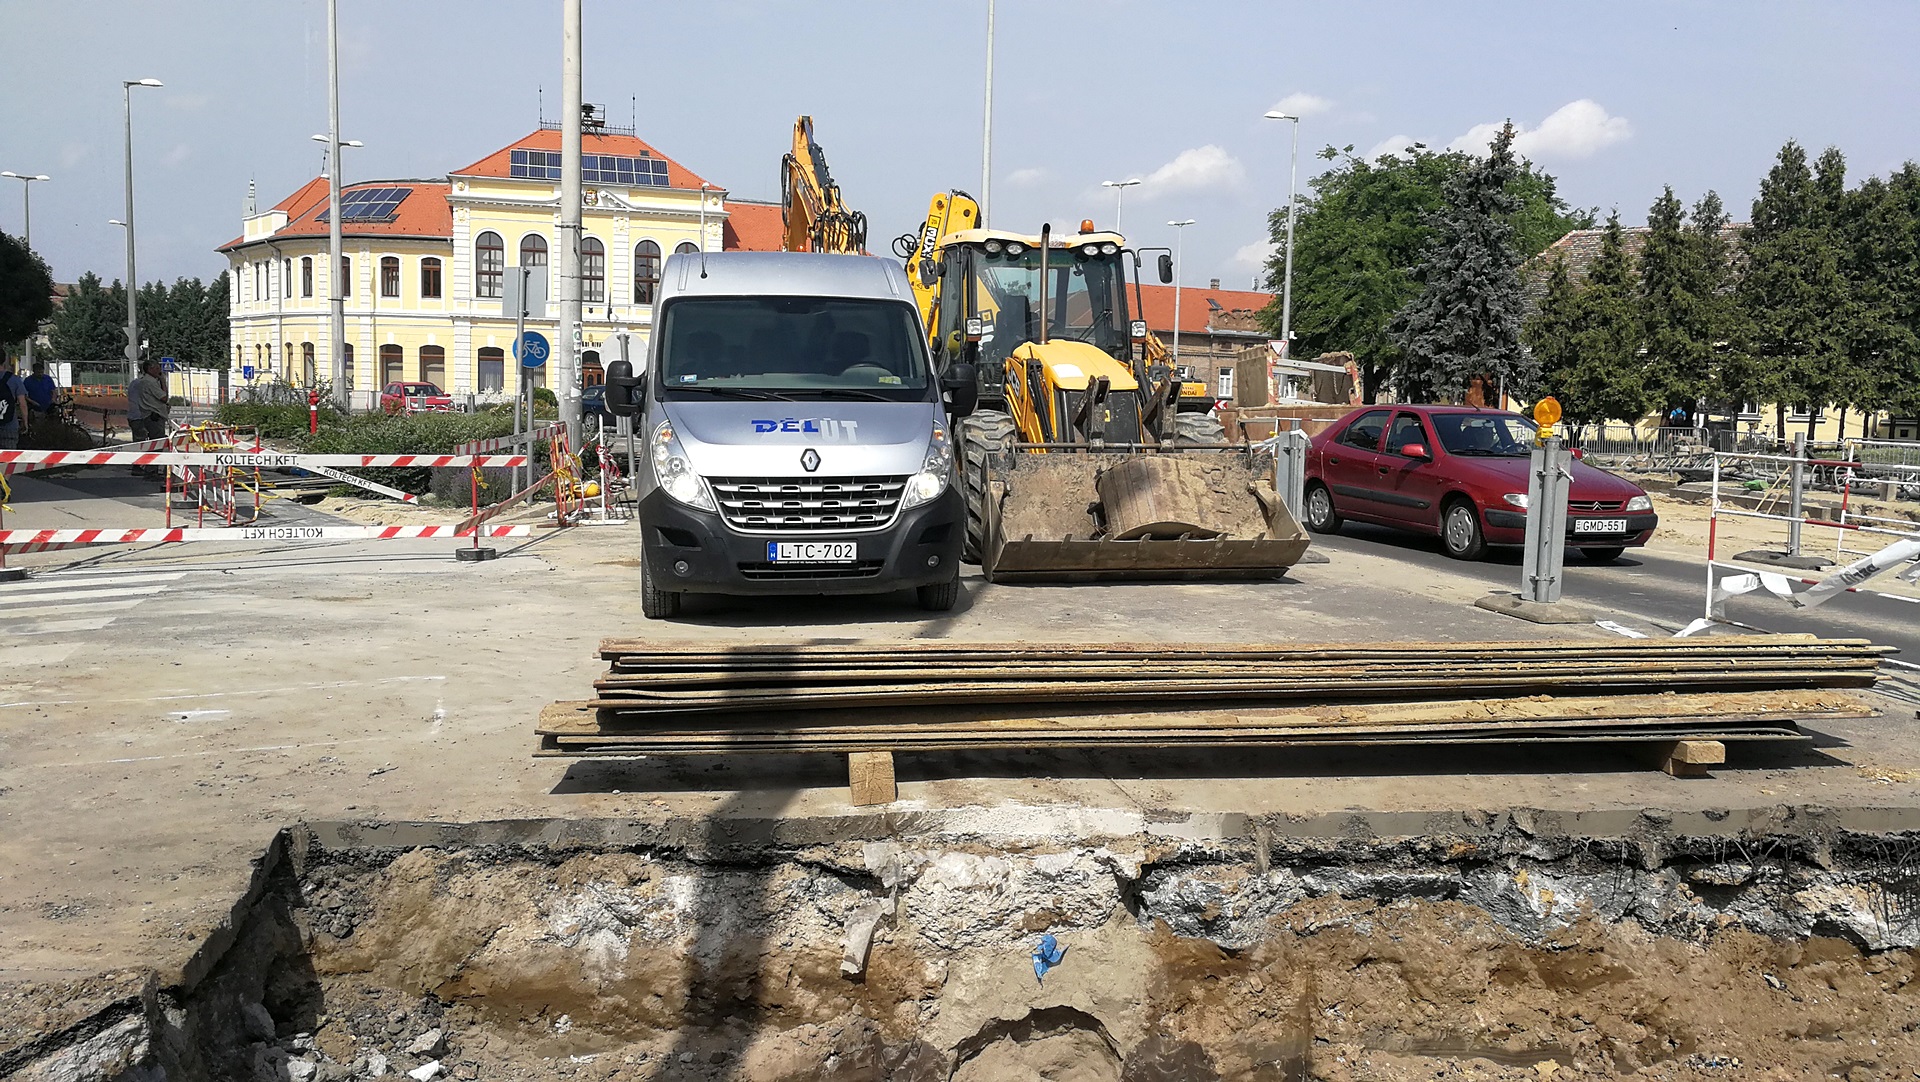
793, 346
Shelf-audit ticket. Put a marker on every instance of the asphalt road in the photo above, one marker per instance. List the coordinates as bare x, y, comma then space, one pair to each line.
1661, 588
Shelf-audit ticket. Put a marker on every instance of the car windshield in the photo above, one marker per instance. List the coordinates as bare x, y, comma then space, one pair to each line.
793, 347
1496, 435
422, 389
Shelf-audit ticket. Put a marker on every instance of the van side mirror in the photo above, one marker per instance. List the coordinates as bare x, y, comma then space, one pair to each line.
1166, 269
962, 384
626, 392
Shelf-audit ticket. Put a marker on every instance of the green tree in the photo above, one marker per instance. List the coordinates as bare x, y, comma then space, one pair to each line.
1465, 321
92, 323
26, 291
1795, 300
1685, 283
1551, 335
1360, 233
1879, 238
1604, 374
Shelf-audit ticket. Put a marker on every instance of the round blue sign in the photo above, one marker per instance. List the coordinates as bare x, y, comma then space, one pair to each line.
535, 352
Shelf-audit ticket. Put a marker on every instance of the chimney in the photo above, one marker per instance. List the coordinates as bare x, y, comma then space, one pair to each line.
1213, 283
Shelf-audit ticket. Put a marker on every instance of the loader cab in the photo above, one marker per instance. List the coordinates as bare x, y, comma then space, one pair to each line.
989, 302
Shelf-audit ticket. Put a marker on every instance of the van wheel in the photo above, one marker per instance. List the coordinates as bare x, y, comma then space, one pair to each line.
1460, 532
940, 596
1321, 517
982, 433
655, 603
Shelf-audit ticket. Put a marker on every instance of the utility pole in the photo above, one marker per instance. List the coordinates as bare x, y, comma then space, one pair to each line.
1119, 189
133, 280
1179, 245
336, 297
566, 349
26, 193
1286, 284
986, 150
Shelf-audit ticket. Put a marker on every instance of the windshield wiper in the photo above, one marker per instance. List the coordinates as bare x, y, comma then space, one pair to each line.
736, 392
848, 392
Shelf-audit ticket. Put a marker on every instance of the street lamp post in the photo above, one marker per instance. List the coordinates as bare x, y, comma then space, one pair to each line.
1286, 284
336, 297
1179, 244
1119, 188
133, 280
986, 128
26, 195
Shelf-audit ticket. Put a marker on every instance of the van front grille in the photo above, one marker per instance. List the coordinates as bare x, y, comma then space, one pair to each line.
764, 572
808, 504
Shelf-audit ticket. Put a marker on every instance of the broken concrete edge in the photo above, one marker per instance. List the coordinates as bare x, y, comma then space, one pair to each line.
1536, 612
1647, 838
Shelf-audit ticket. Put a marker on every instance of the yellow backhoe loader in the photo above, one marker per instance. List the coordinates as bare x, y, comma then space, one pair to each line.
1081, 462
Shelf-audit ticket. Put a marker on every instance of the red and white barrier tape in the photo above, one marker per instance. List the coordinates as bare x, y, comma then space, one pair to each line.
245, 460
38, 540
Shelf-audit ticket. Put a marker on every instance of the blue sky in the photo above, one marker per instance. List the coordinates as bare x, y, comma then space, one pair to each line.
1615, 99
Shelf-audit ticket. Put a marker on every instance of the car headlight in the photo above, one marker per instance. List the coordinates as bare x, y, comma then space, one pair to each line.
1518, 499
1640, 503
935, 473
675, 474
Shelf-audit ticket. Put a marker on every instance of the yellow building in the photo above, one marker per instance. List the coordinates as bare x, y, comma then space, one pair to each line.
429, 265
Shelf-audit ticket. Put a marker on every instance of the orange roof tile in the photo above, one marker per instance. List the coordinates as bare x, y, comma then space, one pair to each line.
1196, 314
753, 227
312, 191
423, 213
495, 164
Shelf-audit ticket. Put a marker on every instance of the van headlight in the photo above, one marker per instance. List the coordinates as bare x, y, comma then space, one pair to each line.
1640, 503
675, 473
935, 473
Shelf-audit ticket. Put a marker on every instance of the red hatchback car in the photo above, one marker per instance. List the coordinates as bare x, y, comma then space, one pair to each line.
1461, 473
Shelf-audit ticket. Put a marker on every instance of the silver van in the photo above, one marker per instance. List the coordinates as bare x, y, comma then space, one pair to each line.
797, 438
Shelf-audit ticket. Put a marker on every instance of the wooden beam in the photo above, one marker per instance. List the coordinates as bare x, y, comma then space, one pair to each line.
1689, 758
870, 778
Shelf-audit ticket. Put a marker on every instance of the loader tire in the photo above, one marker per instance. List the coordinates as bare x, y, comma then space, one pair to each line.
1197, 428
982, 433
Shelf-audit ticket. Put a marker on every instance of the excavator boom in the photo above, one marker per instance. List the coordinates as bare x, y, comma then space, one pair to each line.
816, 218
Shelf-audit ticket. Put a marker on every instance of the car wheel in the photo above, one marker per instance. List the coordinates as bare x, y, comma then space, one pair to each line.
655, 603
1460, 532
1605, 555
1321, 517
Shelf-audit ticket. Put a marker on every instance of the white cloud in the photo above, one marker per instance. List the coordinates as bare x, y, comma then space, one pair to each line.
1392, 144
1028, 178
1194, 170
1255, 255
1578, 129
1303, 105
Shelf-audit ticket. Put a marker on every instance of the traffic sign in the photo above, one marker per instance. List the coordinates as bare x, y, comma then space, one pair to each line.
168, 364
535, 353
246, 371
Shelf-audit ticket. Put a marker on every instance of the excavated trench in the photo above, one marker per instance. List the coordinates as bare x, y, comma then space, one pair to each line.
1772, 943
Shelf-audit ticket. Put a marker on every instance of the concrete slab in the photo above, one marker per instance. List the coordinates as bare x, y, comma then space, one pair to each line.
1536, 612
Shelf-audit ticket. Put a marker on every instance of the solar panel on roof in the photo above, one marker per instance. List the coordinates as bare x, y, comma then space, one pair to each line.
369, 205
644, 170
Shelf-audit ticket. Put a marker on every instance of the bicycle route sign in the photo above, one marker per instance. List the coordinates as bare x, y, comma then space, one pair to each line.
532, 350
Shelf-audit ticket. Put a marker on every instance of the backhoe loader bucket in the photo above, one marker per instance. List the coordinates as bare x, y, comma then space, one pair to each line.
1087, 515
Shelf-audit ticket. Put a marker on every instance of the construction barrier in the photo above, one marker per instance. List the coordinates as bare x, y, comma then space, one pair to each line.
269, 460
499, 443
38, 540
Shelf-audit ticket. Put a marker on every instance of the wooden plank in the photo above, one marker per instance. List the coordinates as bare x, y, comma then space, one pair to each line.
870, 778
1689, 758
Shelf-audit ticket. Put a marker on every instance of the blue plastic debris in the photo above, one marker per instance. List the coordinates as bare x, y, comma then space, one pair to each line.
1046, 956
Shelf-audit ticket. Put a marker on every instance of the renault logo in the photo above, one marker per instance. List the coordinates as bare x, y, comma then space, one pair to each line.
809, 460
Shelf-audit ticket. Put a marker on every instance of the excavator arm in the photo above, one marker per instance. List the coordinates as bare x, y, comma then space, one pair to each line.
817, 219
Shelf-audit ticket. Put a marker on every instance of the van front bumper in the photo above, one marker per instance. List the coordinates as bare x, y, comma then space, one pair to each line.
693, 551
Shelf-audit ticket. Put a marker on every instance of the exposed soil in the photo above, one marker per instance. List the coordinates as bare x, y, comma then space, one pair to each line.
1053, 496
1508, 955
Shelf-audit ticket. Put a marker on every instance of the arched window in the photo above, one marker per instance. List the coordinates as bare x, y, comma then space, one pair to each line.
493, 364
533, 250
389, 276
346, 276
307, 367
286, 278
433, 365
489, 261
593, 271
390, 364
646, 271
286, 358
430, 276
685, 247
306, 276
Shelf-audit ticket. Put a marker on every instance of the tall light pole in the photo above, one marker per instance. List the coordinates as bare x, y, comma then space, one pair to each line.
336, 299
1180, 241
1119, 189
26, 195
566, 347
1286, 283
133, 280
986, 137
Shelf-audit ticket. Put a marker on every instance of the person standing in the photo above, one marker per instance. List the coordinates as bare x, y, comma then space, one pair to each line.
148, 407
13, 405
40, 390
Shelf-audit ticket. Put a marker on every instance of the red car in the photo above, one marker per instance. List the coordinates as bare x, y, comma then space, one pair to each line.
1460, 473
414, 398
